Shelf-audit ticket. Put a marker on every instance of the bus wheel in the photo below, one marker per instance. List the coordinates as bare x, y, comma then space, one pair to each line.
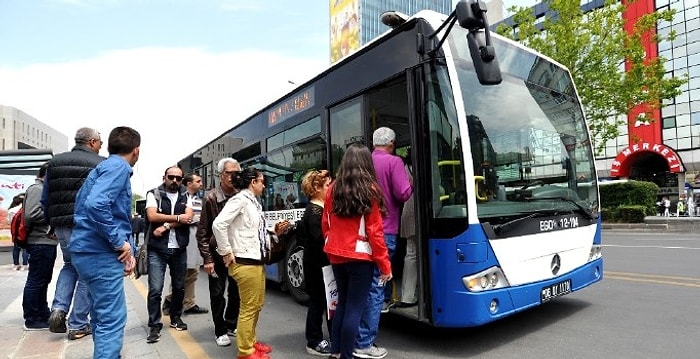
294, 273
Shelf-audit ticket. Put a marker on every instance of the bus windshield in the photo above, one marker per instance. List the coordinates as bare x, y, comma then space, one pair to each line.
529, 141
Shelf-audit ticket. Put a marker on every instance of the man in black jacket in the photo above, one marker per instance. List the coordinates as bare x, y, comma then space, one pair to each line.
65, 175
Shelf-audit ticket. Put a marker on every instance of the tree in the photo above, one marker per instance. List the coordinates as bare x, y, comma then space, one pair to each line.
595, 47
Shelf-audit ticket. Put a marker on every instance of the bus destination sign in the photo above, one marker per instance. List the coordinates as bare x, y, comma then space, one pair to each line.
292, 106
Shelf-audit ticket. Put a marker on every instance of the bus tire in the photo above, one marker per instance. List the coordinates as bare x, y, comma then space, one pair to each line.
294, 272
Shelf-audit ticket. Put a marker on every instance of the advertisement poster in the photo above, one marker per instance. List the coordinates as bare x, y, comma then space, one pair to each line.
286, 194
345, 28
10, 186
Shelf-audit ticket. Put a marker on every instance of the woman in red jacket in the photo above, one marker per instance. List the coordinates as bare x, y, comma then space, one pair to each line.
352, 225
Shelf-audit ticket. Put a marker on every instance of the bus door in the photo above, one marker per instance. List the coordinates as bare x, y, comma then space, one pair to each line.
390, 105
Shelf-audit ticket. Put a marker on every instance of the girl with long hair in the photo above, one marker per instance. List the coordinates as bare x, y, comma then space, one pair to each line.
352, 225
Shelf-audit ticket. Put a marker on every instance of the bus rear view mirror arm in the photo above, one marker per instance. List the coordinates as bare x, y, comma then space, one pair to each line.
471, 15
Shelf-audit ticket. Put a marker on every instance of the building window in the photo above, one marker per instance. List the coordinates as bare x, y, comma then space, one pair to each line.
695, 118
669, 122
684, 143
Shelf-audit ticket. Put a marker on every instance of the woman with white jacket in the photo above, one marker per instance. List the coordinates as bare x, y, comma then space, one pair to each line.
243, 243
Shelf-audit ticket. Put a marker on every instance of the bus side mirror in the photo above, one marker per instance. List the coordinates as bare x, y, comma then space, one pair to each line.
471, 15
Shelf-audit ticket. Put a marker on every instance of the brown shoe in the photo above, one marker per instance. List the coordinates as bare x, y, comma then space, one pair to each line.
80, 333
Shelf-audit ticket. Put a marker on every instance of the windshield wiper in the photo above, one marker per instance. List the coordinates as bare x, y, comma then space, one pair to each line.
583, 209
498, 228
531, 184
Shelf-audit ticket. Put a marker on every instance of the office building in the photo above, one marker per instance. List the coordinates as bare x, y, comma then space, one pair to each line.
21, 131
665, 150
354, 23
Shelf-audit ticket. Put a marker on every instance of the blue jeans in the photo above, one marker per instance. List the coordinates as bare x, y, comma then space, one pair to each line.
15, 255
34, 304
68, 283
369, 325
354, 280
103, 276
158, 260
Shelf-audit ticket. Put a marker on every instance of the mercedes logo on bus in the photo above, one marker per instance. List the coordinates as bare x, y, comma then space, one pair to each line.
556, 264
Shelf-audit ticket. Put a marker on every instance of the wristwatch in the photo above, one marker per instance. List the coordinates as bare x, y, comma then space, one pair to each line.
166, 225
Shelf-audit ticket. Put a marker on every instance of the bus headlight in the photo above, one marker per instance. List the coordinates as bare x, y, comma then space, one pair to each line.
489, 279
596, 252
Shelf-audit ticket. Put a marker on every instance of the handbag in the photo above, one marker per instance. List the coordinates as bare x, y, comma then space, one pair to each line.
331, 289
278, 247
141, 267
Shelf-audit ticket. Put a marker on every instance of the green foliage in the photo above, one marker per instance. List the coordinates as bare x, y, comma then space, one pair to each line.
595, 47
609, 214
631, 214
622, 201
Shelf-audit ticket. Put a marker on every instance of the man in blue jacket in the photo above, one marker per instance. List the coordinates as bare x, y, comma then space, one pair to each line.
101, 243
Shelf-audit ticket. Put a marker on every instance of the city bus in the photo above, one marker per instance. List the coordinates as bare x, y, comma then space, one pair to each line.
18, 171
507, 212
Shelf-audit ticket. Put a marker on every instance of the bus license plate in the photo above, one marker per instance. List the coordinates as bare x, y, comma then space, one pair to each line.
555, 290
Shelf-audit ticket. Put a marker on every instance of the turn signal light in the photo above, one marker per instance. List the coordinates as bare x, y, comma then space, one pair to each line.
489, 279
596, 252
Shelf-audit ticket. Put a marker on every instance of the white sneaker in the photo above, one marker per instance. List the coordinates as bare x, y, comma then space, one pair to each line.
232, 333
223, 341
373, 352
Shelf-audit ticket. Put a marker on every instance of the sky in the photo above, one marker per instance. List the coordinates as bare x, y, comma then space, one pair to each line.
181, 72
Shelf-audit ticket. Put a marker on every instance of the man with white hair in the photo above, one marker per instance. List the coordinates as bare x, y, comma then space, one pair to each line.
64, 177
224, 315
396, 189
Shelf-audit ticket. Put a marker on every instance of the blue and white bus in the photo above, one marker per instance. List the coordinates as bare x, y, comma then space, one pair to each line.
505, 181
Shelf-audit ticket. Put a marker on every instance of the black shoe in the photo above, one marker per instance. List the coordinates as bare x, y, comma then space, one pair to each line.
166, 307
197, 310
153, 335
57, 321
177, 323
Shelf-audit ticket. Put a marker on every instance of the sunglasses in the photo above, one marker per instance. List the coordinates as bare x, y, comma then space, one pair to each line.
174, 178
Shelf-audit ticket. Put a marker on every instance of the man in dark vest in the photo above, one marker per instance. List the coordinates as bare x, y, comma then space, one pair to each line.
168, 217
65, 175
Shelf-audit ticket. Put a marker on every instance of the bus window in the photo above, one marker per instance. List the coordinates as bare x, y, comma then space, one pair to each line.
388, 107
285, 168
291, 154
446, 163
346, 129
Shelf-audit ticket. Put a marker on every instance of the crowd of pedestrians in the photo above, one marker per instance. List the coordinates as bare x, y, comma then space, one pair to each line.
83, 202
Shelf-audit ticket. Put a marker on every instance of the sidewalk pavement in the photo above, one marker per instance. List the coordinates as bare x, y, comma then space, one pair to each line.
658, 224
17, 343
